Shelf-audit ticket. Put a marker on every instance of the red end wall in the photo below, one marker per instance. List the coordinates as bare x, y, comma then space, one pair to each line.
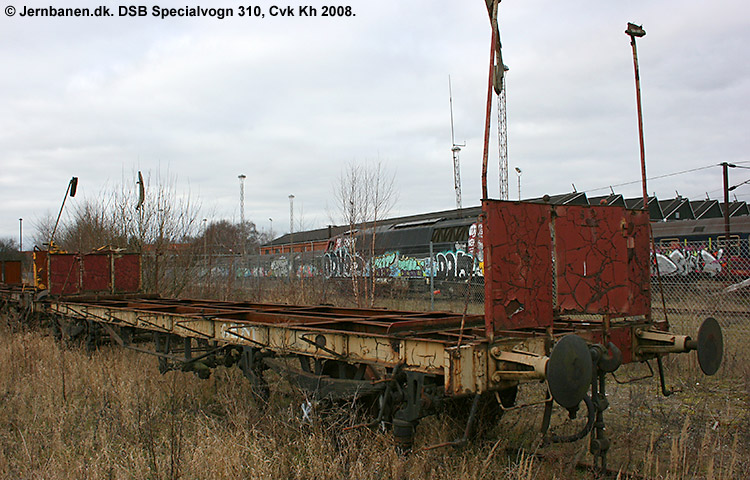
542, 261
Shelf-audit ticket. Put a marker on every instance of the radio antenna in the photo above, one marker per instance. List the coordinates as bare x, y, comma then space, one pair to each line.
455, 149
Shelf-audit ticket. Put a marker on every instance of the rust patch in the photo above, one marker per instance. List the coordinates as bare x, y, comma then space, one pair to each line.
543, 260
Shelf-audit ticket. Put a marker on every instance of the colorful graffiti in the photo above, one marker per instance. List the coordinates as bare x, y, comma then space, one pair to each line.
340, 263
455, 264
683, 262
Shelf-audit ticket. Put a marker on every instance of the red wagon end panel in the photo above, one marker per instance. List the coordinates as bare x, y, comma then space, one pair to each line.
96, 273
64, 274
518, 267
543, 260
10, 273
127, 273
600, 254
639, 263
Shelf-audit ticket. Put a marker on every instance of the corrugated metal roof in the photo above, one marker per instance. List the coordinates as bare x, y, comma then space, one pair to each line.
666, 210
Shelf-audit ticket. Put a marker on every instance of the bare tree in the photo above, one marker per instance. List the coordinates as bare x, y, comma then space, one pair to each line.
8, 245
42, 230
350, 201
364, 194
380, 197
161, 228
224, 238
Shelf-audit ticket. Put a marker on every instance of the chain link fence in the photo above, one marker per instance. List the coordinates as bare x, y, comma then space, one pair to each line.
698, 280
695, 280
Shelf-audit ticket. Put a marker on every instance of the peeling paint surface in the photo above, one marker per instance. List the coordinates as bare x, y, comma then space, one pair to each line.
546, 260
518, 265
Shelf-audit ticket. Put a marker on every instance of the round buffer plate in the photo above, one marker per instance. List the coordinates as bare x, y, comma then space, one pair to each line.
569, 371
710, 346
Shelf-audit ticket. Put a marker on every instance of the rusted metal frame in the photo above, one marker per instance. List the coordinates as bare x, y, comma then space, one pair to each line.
272, 318
197, 332
99, 299
374, 328
280, 308
173, 309
420, 326
353, 350
333, 331
248, 339
85, 314
184, 361
192, 302
324, 348
114, 319
429, 356
133, 303
326, 314
429, 324
140, 320
351, 312
413, 316
469, 337
364, 323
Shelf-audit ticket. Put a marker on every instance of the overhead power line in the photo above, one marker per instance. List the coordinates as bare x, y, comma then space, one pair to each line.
657, 177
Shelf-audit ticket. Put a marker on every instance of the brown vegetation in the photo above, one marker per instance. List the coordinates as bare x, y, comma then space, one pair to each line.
67, 414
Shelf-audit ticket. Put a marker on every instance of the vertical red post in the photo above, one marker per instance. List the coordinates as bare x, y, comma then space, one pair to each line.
633, 31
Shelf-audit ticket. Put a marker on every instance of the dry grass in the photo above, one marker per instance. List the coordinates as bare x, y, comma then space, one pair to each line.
115, 417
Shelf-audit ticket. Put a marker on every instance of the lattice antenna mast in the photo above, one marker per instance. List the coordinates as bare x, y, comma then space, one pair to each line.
456, 149
502, 116
502, 138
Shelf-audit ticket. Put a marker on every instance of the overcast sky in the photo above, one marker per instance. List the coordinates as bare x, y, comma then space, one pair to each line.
290, 101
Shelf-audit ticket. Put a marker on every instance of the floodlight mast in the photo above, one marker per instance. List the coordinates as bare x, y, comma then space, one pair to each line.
455, 149
634, 31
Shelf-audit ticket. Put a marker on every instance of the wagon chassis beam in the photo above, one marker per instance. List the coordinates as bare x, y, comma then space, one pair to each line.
181, 360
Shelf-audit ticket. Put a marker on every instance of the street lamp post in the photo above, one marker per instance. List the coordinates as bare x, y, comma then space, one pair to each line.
518, 174
20, 234
634, 31
291, 235
204, 238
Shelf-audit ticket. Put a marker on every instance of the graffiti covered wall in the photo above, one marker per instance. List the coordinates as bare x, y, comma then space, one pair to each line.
453, 264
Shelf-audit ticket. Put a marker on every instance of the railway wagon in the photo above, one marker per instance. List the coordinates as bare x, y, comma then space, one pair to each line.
567, 301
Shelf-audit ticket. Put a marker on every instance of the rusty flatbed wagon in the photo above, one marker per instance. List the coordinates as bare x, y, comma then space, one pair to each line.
567, 300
